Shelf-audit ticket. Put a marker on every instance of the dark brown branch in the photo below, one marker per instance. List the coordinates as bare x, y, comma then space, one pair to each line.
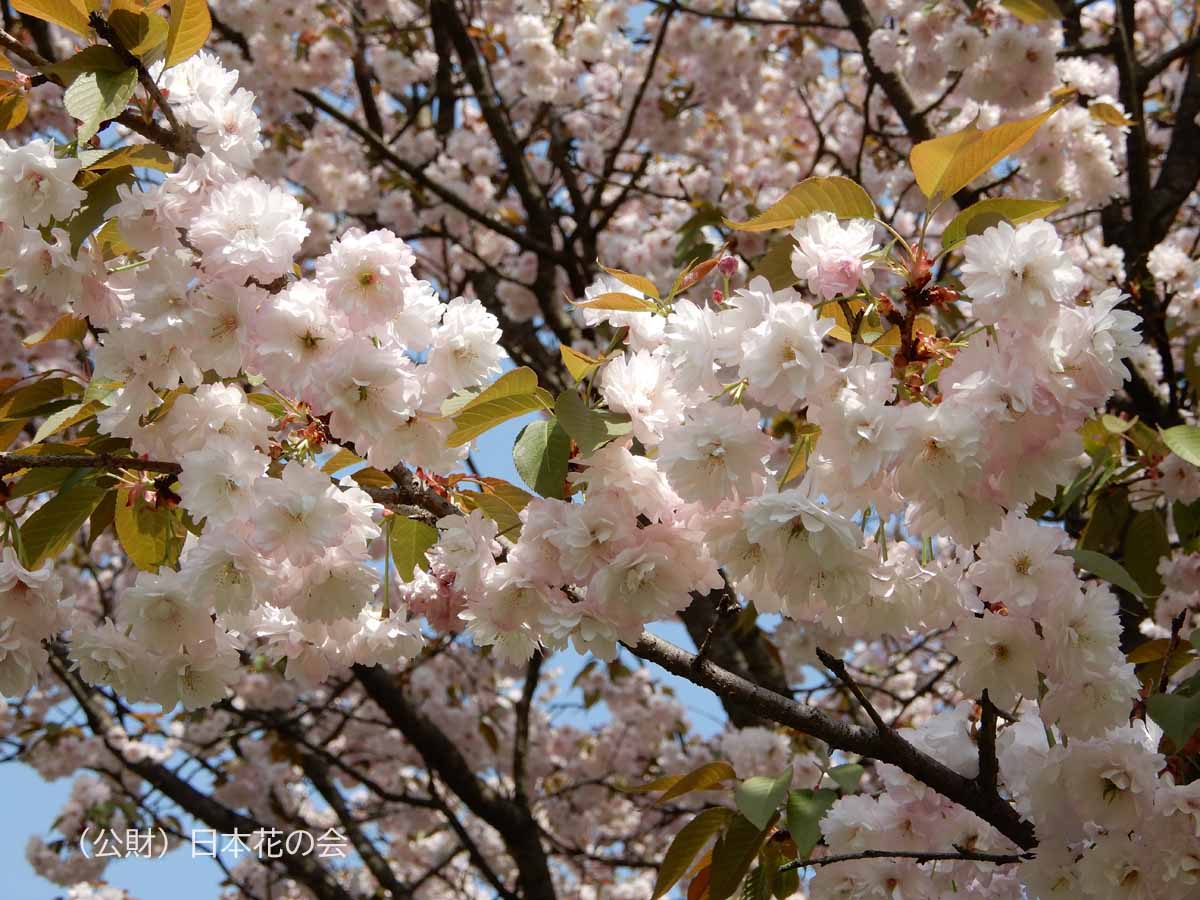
417, 174
318, 774
838, 668
407, 492
512, 820
172, 141
868, 742
989, 766
533, 671
184, 140
304, 869
963, 855
742, 19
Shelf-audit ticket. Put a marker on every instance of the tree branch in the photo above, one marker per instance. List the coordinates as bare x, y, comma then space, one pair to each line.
841, 735
959, 855
513, 821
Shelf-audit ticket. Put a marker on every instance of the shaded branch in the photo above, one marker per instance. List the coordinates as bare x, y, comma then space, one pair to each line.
958, 855
885, 747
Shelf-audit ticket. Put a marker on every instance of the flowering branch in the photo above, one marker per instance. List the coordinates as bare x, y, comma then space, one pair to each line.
958, 855
182, 138
884, 746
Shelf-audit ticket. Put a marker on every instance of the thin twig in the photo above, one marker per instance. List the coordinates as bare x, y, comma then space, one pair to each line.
838, 668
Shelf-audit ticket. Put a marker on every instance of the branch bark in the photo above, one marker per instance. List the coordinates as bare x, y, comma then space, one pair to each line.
884, 746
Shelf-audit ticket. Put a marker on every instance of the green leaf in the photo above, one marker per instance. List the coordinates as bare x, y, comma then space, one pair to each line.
343, 459
759, 797
776, 264
833, 193
805, 809
1033, 11
513, 394
758, 885
1107, 114
705, 777
978, 217
271, 404
102, 516
101, 196
65, 418
1184, 441
501, 502
141, 33
409, 540
69, 14
14, 106
1146, 542
1186, 517
637, 282
786, 884
96, 58
732, 856
96, 97
686, 846
66, 327
540, 455
141, 156
53, 524
589, 428
617, 300
1103, 567
1108, 515
1179, 716
847, 777
187, 30
152, 537
101, 388
580, 365
946, 164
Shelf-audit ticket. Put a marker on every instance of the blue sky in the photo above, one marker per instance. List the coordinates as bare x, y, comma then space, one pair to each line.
31, 804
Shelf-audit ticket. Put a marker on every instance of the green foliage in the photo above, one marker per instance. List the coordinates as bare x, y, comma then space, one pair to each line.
101, 195
590, 428
848, 777
540, 455
96, 96
1146, 542
703, 778
1184, 441
152, 536
1178, 715
759, 797
776, 264
1103, 567
50, 528
69, 14
805, 809
945, 165
409, 540
978, 217
732, 856
187, 30
834, 194
513, 394
686, 847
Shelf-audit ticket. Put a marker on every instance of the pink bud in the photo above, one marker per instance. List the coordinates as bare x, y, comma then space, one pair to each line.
717, 296
728, 266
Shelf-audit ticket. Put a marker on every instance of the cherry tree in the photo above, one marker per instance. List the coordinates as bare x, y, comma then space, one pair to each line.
863, 339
